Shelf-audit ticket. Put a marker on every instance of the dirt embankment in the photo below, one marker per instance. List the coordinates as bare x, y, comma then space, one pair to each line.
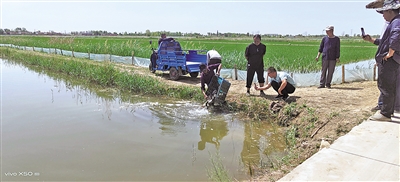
336, 111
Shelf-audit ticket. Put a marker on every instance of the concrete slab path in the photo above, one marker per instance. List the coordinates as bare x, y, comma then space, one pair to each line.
369, 152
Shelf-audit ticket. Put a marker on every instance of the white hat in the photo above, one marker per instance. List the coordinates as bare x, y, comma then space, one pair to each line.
389, 4
330, 27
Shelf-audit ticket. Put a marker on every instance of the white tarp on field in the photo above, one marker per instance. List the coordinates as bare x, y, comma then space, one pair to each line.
359, 71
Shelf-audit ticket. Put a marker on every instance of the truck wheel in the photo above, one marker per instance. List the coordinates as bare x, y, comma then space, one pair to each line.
173, 73
194, 74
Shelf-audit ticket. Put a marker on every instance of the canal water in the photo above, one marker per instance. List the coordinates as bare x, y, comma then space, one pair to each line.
55, 129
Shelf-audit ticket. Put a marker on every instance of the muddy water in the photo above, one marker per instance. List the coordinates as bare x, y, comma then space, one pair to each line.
54, 129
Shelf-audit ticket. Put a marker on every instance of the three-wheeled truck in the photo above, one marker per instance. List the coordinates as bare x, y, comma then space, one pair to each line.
170, 57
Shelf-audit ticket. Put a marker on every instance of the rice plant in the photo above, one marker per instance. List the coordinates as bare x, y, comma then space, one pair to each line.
289, 54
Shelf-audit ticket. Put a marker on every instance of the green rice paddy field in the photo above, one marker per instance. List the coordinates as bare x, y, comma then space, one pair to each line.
289, 54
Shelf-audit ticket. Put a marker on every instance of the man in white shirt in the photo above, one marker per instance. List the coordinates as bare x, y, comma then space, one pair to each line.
282, 83
213, 57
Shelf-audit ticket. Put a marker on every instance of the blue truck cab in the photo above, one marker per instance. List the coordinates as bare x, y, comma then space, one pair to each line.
170, 57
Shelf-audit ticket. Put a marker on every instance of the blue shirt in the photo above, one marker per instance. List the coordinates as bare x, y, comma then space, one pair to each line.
330, 48
282, 76
390, 39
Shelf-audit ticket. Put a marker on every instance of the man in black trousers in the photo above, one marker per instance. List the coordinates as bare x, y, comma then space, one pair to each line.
255, 63
388, 57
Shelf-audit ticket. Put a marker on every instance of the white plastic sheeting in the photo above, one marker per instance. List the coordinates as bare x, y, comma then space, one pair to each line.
359, 71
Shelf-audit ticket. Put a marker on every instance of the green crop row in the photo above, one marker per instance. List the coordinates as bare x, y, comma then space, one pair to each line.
104, 74
294, 55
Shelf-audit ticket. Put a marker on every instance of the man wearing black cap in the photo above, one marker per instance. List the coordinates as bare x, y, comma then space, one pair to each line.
255, 63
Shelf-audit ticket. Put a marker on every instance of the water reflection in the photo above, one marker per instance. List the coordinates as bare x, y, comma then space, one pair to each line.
85, 94
262, 146
173, 116
212, 132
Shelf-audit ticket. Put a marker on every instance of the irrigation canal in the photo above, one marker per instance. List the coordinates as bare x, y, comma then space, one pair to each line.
53, 129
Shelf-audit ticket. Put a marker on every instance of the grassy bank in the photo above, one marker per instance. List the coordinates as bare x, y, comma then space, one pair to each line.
104, 74
290, 54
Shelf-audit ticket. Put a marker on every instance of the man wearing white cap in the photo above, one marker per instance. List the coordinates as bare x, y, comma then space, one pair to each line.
388, 55
330, 49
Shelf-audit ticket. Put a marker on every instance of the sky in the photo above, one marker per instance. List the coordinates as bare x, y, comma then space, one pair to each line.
262, 16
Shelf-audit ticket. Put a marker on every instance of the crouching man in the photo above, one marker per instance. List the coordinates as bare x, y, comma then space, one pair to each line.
207, 73
282, 83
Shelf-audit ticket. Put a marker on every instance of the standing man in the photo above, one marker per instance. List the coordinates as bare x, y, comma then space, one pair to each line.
330, 49
282, 83
388, 55
374, 5
379, 105
255, 63
213, 57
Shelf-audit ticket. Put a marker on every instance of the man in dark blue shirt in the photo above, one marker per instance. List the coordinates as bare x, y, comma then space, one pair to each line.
330, 49
163, 36
207, 73
388, 59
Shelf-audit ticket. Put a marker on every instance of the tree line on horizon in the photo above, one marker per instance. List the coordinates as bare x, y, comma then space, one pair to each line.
24, 31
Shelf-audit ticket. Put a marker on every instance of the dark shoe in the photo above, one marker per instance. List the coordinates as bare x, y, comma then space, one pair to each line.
262, 94
321, 86
285, 98
279, 96
329, 87
376, 108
